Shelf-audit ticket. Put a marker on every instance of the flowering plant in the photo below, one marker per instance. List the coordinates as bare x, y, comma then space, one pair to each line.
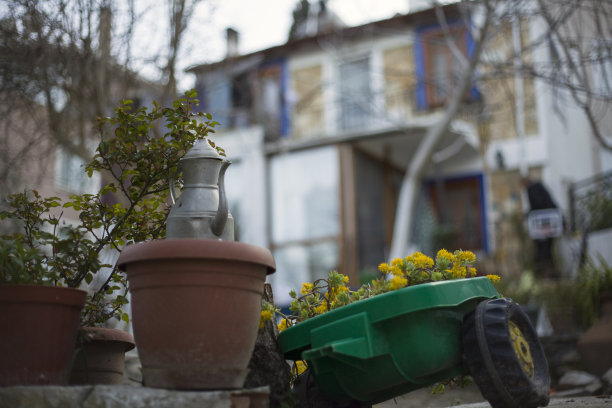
323, 295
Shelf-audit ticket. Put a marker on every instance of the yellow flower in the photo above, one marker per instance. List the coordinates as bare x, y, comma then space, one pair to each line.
282, 325
458, 271
397, 262
265, 315
384, 268
322, 308
334, 292
345, 278
398, 282
306, 288
465, 257
444, 254
422, 261
493, 278
397, 271
300, 366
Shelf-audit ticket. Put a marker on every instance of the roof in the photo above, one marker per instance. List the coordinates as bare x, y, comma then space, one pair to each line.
423, 17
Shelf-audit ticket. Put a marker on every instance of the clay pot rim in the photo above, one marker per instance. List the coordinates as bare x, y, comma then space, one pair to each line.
190, 248
42, 294
110, 334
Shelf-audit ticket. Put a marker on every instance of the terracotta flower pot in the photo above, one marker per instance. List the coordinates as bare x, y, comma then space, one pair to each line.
195, 309
38, 332
595, 345
101, 357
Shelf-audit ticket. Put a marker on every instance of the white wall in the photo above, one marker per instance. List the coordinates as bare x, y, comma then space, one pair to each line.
600, 245
245, 181
572, 152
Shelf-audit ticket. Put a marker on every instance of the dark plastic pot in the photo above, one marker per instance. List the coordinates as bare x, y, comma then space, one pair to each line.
195, 309
38, 332
595, 345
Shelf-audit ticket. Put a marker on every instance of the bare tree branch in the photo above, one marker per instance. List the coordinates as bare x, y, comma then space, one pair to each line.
71, 64
407, 197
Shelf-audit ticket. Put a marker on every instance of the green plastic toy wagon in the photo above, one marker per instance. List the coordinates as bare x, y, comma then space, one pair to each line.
385, 346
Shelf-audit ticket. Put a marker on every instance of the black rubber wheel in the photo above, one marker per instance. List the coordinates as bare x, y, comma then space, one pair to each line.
502, 352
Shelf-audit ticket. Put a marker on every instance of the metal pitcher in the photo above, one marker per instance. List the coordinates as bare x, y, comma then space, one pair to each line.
201, 211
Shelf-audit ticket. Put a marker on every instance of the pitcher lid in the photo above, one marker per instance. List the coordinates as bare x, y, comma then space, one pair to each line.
202, 150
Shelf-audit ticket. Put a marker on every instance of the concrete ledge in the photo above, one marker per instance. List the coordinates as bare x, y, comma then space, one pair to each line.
122, 396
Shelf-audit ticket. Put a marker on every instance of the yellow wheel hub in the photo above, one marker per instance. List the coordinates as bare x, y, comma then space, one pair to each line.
521, 348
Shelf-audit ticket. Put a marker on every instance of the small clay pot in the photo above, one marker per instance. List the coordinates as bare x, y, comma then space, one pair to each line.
100, 359
195, 310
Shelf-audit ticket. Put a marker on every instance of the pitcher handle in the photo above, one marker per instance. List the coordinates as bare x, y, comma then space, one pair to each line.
171, 186
218, 223
172, 190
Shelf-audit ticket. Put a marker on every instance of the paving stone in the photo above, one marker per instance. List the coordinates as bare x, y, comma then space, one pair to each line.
576, 378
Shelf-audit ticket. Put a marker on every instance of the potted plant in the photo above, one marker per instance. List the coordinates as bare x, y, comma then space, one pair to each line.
195, 296
33, 308
70, 254
129, 207
424, 321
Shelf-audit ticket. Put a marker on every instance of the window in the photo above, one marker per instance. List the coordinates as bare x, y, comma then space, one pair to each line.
307, 102
437, 66
376, 187
269, 102
457, 206
305, 217
227, 98
355, 94
602, 68
216, 94
247, 94
70, 173
241, 100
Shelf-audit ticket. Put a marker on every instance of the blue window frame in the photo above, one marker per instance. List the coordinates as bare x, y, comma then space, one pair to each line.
435, 66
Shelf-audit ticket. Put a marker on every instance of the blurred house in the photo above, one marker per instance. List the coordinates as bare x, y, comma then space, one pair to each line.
32, 157
321, 130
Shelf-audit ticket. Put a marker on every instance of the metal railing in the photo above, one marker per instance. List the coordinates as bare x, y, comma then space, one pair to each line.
591, 203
